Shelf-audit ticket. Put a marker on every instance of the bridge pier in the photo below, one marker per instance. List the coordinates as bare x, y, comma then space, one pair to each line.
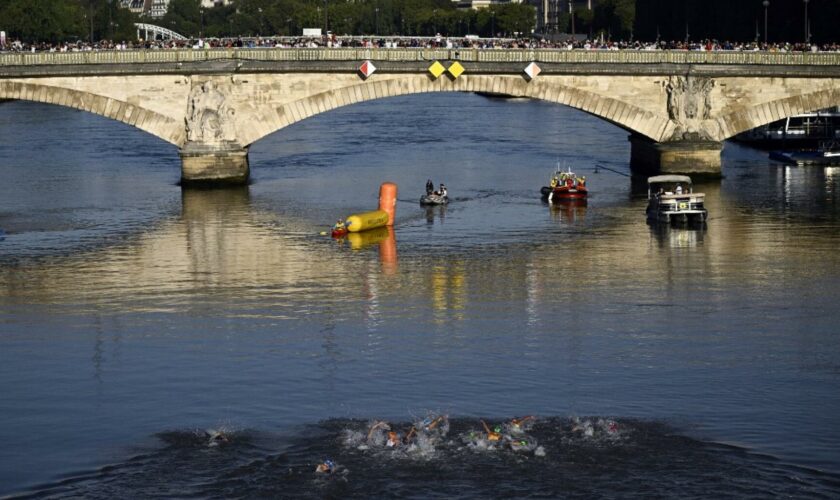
214, 165
690, 157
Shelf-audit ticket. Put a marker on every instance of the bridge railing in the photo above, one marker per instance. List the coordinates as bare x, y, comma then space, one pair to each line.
411, 55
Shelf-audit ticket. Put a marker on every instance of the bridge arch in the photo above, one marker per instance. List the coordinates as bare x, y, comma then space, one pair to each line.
621, 113
165, 33
161, 126
738, 121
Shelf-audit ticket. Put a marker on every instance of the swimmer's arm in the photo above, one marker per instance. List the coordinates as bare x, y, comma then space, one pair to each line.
374, 427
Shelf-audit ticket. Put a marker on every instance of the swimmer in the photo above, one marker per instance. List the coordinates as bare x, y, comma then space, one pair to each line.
393, 440
495, 434
430, 424
586, 428
520, 425
326, 467
215, 438
411, 434
522, 445
377, 425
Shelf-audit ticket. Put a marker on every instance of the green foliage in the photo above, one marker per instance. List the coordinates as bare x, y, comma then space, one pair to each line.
58, 21
71, 20
615, 17
183, 16
43, 20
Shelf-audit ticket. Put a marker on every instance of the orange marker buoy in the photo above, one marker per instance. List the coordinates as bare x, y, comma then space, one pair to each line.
388, 200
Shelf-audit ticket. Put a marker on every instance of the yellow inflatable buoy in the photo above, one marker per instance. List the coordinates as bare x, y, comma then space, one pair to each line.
366, 220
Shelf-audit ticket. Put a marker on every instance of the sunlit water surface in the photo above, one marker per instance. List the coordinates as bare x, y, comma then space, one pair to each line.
133, 316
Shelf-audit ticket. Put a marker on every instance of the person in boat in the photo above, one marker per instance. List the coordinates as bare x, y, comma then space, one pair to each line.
678, 189
430, 187
443, 191
339, 225
325, 467
553, 183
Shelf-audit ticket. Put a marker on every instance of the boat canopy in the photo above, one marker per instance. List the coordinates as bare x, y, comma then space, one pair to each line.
669, 178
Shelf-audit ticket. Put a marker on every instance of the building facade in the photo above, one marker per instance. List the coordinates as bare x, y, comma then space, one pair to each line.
159, 8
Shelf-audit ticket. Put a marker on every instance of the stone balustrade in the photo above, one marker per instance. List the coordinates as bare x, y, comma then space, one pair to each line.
551, 56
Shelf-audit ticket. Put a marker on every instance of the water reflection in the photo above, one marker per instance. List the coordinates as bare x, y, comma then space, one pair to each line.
435, 212
667, 235
384, 237
568, 211
448, 290
364, 239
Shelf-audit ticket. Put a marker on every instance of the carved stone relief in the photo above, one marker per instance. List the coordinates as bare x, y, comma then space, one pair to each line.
210, 120
689, 104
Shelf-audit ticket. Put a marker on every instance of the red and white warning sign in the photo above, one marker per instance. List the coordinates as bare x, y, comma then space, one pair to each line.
366, 69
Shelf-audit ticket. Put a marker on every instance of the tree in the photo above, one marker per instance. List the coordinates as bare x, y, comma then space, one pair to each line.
184, 17
43, 20
616, 17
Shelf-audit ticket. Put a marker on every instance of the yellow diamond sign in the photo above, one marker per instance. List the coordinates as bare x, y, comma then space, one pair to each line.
436, 69
455, 69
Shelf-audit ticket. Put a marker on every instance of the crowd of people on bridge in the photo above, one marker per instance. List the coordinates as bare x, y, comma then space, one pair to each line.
467, 42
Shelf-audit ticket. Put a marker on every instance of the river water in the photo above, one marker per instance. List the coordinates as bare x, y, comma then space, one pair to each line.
658, 362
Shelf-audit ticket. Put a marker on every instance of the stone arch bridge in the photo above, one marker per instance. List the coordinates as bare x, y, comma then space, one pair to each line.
212, 104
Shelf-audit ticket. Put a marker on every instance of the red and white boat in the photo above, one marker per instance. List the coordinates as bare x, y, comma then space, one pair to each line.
565, 186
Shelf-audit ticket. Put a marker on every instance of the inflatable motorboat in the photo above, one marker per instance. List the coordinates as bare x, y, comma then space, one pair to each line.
565, 186
434, 199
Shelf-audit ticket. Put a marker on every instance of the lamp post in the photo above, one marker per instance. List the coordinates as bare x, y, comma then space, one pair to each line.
493, 24
90, 5
807, 35
765, 3
376, 11
201, 28
326, 18
572, 14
